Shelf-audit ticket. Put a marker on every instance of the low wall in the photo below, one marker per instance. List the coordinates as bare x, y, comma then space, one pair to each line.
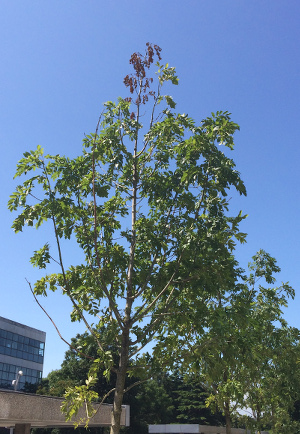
44, 411
194, 428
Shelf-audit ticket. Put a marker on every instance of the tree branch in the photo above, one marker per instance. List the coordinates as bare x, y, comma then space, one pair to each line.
56, 328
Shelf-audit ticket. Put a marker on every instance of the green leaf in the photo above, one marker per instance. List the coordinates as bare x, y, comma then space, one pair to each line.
41, 257
170, 101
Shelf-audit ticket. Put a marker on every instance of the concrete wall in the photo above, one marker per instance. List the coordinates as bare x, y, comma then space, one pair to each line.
44, 411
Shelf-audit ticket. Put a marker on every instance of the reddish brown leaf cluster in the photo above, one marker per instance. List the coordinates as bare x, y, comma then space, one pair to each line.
139, 79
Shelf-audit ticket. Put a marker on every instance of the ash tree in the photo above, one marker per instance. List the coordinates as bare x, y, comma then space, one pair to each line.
247, 356
147, 205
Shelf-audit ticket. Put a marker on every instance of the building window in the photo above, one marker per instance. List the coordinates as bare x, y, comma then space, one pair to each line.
8, 374
15, 345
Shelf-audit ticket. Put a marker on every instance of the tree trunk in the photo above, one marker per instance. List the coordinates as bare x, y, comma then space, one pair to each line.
120, 384
227, 406
227, 418
258, 419
123, 364
117, 405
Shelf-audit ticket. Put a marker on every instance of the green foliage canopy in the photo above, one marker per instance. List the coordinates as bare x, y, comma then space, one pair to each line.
247, 355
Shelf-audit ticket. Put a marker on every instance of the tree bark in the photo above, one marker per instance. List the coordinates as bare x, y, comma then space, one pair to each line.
227, 418
120, 384
258, 419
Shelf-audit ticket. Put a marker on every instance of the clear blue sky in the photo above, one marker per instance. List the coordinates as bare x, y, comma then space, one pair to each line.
60, 60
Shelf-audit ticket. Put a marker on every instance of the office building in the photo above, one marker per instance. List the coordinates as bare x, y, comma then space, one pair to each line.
21, 349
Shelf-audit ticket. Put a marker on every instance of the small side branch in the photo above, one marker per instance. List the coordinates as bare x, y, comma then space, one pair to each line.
135, 384
102, 401
56, 328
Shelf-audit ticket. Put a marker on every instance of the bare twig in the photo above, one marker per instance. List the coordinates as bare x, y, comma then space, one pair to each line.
56, 328
135, 384
102, 401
